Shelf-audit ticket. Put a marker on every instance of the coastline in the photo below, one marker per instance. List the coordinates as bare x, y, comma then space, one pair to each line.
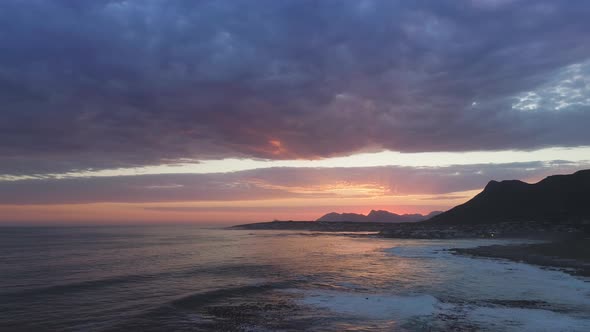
427, 230
570, 255
317, 226
566, 246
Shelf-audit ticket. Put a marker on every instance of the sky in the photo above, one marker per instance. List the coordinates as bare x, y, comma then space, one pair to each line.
229, 111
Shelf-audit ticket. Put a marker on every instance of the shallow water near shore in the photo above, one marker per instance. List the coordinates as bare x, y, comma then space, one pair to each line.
187, 278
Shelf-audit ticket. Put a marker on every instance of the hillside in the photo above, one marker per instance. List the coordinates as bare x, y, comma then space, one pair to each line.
557, 198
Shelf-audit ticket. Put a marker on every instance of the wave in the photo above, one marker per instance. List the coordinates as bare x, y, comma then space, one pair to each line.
375, 306
193, 301
87, 285
77, 286
426, 312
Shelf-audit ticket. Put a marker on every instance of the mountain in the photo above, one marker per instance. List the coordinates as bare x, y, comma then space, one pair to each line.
333, 216
375, 216
555, 198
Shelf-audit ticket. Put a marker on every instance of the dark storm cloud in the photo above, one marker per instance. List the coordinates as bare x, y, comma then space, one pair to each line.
106, 84
273, 183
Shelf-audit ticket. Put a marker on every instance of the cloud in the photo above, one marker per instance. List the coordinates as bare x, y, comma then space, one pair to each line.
107, 84
276, 183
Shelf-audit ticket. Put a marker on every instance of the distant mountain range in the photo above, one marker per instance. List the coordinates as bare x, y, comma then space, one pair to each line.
376, 216
559, 204
557, 198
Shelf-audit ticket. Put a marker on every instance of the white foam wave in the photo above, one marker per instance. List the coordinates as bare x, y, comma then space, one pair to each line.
438, 248
484, 279
426, 310
375, 306
533, 320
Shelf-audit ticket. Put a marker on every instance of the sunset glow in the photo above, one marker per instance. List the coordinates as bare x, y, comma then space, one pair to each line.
294, 165
259, 190
225, 212
281, 117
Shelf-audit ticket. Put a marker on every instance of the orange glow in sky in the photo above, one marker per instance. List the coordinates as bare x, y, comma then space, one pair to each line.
217, 193
230, 212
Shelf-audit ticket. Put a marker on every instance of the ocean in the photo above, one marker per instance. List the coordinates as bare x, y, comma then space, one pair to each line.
189, 278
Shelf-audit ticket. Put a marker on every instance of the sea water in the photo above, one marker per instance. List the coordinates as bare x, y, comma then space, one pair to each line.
189, 278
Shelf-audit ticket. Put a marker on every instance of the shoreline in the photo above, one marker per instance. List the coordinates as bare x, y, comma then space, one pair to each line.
569, 255
567, 245
543, 230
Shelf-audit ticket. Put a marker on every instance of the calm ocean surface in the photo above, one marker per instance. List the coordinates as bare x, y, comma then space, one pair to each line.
186, 278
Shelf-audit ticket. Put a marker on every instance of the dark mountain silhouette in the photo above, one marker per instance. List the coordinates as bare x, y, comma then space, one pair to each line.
375, 216
333, 216
557, 198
